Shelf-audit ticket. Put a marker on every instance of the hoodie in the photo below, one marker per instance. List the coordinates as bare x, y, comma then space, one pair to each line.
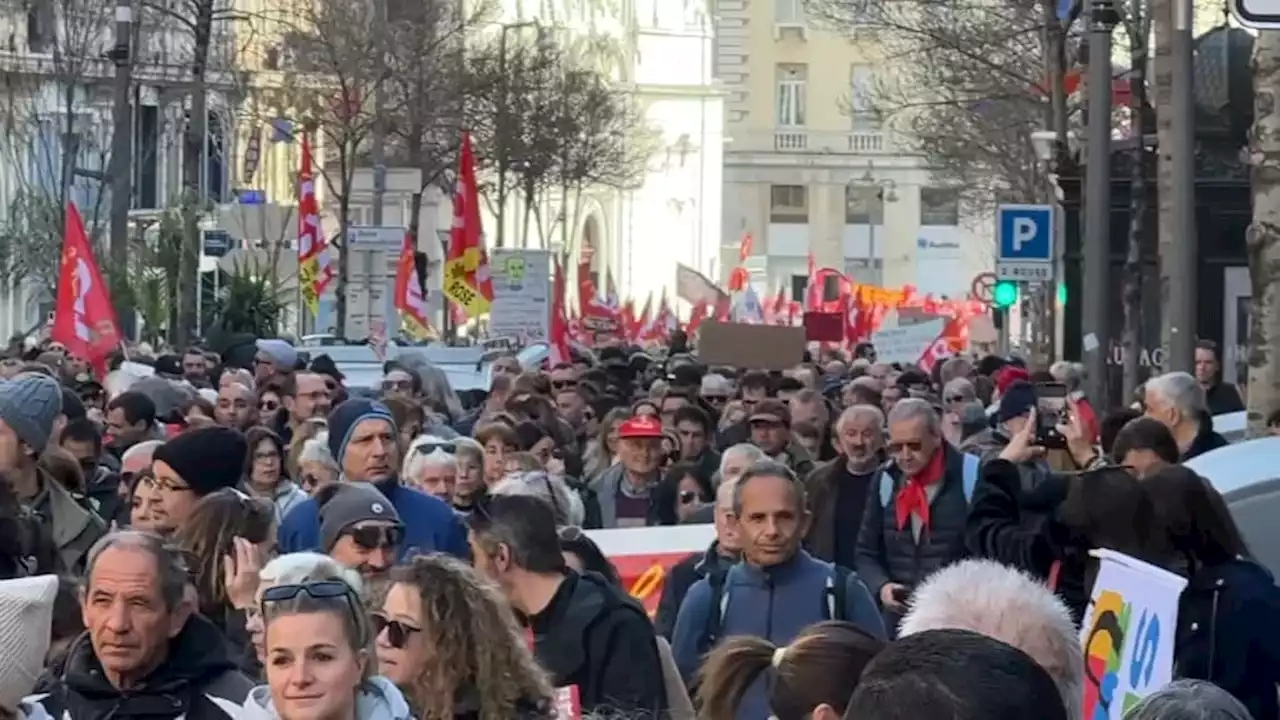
774, 603
378, 699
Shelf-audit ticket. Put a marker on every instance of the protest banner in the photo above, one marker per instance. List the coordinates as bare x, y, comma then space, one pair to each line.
521, 294
644, 556
906, 343
1128, 634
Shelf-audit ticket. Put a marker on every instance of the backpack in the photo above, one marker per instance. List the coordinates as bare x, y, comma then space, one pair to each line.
834, 595
972, 466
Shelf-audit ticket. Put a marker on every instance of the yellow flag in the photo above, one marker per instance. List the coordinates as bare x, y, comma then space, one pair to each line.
307, 279
462, 292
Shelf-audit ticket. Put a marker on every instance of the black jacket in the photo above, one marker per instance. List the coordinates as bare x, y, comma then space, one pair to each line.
1206, 439
1222, 398
1013, 525
198, 681
681, 577
595, 636
1229, 633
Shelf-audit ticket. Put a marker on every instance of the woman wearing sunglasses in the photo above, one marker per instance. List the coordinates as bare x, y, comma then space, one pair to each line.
451, 644
318, 661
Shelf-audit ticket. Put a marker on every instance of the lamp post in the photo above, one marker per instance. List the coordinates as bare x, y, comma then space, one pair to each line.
1095, 299
1182, 271
886, 192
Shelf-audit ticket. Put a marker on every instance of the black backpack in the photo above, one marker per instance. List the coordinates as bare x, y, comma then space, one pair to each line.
833, 607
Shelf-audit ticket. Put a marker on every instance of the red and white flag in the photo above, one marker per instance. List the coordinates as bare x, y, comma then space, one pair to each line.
409, 299
558, 341
83, 320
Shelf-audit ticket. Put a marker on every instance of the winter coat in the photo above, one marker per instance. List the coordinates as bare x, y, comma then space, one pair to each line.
378, 699
198, 681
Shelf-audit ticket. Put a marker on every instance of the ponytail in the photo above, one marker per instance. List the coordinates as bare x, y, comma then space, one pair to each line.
728, 671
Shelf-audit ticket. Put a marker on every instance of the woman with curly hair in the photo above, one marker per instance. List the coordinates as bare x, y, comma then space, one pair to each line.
452, 645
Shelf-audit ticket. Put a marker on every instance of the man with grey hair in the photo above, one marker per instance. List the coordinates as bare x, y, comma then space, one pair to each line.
1177, 400
917, 511
777, 590
737, 458
1010, 606
1072, 375
1190, 700
837, 491
146, 652
713, 563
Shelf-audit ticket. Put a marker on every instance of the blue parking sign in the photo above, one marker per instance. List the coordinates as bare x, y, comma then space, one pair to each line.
1024, 242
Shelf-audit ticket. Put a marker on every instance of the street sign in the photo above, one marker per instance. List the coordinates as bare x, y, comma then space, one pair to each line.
1257, 14
251, 196
216, 243
375, 237
983, 287
1024, 242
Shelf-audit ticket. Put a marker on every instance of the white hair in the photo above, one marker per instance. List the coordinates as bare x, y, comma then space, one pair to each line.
1182, 391
853, 412
553, 490
1189, 700
300, 567
959, 386
746, 451
416, 458
1001, 602
316, 450
1068, 373
145, 449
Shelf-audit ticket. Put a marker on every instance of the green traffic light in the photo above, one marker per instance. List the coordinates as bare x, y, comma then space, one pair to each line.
1062, 294
1006, 294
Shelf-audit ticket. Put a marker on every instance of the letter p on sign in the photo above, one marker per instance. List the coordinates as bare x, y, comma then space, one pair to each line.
1024, 231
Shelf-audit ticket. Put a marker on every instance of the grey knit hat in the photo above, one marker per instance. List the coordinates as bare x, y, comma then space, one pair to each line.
344, 504
29, 404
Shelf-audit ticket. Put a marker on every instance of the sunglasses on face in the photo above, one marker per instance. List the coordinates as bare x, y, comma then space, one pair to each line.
398, 633
373, 537
268, 406
449, 448
563, 384
687, 497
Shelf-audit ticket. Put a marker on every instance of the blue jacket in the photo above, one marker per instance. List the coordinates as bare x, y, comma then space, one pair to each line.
773, 603
429, 524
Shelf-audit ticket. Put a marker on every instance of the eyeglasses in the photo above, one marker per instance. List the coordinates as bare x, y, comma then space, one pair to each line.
376, 537
563, 384
398, 633
268, 406
264, 456
167, 485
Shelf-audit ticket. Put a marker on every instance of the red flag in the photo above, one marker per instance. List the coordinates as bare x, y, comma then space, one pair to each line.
744, 247
408, 298
466, 268
948, 342
83, 321
696, 317
558, 341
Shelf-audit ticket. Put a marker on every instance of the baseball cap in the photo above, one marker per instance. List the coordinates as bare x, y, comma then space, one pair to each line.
774, 411
641, 426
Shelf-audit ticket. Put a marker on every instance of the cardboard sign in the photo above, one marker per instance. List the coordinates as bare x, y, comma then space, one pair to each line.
905, 344
568, 703
755, 347
1128, 634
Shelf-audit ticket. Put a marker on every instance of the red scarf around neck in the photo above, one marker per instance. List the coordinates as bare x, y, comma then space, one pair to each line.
913, 496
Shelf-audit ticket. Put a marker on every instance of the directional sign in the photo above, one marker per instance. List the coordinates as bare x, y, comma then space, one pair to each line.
1024, 242
374, 237
216, 243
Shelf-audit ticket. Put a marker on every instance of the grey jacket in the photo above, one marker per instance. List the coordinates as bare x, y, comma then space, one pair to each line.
606, 488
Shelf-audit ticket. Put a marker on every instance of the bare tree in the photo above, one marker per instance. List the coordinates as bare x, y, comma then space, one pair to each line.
333, 59
1263, 235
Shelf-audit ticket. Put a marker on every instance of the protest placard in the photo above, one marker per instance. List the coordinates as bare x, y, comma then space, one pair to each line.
1128, 634
906, 343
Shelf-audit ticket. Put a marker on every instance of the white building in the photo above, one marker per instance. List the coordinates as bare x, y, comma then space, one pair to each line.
809, 170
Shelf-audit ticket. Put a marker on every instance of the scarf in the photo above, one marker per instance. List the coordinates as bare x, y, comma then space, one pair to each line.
913, 496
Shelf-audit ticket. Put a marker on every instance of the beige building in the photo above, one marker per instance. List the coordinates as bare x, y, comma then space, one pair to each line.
810, 169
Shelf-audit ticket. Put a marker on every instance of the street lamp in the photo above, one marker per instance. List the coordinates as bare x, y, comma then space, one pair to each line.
886, 192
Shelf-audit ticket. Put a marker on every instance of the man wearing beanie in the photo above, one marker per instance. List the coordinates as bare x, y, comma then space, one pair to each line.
30, 404
364, 441
359, 528
192, 465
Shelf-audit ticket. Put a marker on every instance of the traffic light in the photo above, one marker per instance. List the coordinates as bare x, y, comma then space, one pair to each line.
1006, 294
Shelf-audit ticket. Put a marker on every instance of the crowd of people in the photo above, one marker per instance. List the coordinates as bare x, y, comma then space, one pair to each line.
203, 537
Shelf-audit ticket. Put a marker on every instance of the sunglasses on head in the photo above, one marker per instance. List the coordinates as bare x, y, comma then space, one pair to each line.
398, 633
316, 590
376, 537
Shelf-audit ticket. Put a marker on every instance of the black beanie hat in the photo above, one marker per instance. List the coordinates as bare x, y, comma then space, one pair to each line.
208, 459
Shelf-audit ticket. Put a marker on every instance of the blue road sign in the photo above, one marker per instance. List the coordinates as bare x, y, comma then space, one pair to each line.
1024, 242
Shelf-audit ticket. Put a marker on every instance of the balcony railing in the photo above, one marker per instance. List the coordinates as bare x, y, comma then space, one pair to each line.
857, 142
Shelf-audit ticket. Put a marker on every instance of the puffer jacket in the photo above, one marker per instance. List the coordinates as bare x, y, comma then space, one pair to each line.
379, 699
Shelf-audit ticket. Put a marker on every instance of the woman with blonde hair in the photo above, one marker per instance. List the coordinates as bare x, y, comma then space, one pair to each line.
602, 451
452, 645
293, 569
813, 677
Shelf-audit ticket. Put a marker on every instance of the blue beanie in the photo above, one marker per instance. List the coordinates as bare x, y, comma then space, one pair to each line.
29, 405
344, 419
1016, 401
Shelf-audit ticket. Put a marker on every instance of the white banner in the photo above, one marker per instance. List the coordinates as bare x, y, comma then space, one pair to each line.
905, 344
521, 306
1128, 634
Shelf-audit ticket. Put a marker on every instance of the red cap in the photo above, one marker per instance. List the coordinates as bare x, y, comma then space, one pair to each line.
640, 426
1009, 376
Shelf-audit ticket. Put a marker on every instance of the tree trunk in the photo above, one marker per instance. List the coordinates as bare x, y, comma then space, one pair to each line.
1166, 219
1131, 336
193, 180
1263, 235
344, 252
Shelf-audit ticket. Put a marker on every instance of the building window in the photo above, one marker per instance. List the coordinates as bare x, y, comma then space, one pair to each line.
789, 204
939, 206
863, 205
862, 83
788, 12
799, 287
791, 94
